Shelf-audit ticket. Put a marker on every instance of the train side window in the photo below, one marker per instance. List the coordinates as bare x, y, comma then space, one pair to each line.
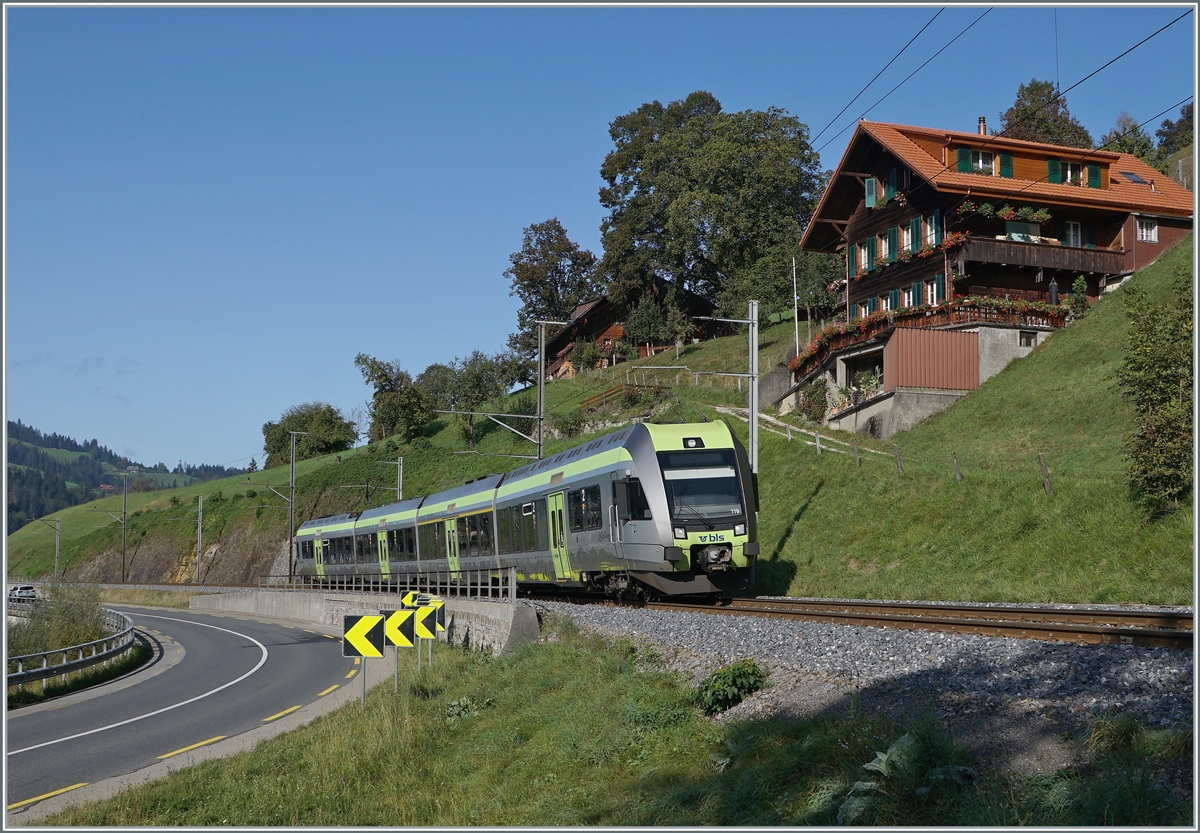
464, 536
485, 534
410, 543
632, 504
541, 525
428, 540
504, 527
593, 517
575, 510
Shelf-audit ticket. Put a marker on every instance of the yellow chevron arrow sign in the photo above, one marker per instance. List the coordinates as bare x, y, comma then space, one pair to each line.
425, 623
398, 627
362, 636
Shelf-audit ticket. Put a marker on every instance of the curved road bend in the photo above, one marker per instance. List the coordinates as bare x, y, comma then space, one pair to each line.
214, 677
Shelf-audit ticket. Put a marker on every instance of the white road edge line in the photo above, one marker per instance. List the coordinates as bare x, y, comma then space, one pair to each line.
262, 660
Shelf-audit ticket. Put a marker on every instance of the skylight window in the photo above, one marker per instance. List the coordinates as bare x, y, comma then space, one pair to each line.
1133, 177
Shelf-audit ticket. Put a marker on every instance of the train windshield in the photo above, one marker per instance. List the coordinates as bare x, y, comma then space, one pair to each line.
702, 485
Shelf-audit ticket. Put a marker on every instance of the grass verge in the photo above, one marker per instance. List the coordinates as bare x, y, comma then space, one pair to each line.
578, 730
24, 695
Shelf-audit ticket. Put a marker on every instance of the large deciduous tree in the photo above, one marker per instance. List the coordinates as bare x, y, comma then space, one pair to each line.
551, 275
697, 196
1174, 136
397, 406
1040, 114
326, 432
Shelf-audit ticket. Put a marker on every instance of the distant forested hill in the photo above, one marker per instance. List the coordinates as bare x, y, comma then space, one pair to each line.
48, 472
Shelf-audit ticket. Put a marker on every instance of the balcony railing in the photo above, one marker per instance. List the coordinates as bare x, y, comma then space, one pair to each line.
1041, 255
961, 312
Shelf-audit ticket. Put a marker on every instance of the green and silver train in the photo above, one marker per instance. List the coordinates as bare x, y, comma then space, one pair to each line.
647, 510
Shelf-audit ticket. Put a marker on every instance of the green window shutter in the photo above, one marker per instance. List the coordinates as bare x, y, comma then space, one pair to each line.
872, 304
1089, 235
937, 227
852, 258
869, 186
1006, 165
1060, 231
964, 160
891, 183
893, 243
914, 233
870, 253
939, 282
1054, 171
918, 290
1093, 175
894, 299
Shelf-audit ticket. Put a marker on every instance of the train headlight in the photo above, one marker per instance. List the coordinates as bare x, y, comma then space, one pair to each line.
740, 529
680, 532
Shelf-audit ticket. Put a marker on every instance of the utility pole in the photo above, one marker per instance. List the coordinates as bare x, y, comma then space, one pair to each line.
57, 524
399, 464
796, 307
292, 510
752, 320
541, 414
199, 535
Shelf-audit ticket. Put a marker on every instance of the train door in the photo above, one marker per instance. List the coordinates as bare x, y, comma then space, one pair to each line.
558, 537
319, 556
385, 568
635, 534
452, 546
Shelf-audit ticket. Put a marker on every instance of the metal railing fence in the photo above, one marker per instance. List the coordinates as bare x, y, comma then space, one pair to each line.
61, 661
498, 585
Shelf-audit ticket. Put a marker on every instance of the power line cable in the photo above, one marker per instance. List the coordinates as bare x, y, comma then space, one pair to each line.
910, 75
872, 81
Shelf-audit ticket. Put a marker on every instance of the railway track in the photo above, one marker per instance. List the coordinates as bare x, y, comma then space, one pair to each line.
1159, 629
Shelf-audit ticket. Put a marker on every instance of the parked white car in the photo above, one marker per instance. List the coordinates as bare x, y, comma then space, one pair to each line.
21, 592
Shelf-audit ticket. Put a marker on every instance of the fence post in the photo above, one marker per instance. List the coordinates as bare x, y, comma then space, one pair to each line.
957, 473
817, 434
899, 468
1045, 472
854, 442
789, 433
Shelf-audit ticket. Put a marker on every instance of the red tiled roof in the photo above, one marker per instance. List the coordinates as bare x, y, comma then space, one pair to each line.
1168, 196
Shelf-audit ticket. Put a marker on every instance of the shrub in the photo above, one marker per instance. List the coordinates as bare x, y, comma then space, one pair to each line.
728, 686
568, 424
1078, 301
585, 356
811, 401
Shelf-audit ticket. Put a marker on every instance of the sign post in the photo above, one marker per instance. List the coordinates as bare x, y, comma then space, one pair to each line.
398, 628
362, 636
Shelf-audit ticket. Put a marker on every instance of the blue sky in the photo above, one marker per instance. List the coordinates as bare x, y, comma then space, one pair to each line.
211, 211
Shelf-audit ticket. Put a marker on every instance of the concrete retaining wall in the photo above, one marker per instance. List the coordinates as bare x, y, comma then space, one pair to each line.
496, 627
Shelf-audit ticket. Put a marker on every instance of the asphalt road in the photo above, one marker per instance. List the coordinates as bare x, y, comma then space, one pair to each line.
213, 677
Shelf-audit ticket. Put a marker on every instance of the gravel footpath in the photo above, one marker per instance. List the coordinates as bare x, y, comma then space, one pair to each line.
1025, 704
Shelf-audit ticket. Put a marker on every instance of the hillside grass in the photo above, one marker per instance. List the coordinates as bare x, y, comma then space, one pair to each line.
826, 527
580, 731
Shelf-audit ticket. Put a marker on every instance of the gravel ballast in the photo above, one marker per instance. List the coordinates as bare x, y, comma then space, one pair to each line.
1023, 702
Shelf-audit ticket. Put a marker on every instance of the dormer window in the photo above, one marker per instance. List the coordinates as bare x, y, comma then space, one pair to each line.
1072, 173
982, 162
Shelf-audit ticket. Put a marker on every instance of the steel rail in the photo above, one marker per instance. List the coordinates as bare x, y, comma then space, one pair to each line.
1101, 627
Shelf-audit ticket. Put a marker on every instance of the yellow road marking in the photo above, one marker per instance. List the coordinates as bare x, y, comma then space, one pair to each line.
327, 636
290, 627
193, 746
353, 671
47, 795
331, 688
263, 622
357, 660
306, 630
281, 714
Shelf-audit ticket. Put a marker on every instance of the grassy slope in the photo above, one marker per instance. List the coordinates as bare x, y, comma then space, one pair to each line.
826, 528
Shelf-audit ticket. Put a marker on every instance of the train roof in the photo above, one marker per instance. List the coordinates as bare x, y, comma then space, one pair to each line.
391, 509
328, 520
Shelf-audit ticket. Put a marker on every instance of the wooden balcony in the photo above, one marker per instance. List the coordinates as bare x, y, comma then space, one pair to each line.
1049, 256
957, 314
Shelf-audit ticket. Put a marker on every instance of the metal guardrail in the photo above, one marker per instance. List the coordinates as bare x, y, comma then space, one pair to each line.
56, 663
497, 585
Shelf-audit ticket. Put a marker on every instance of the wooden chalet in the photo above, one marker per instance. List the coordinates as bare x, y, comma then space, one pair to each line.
595, 321
978, 235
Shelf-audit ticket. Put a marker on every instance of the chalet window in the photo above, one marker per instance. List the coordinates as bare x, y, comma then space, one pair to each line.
906, 237
914, 234
893, 299
935, 290
1006, 165
918, 293
872, 305
891, 183
885, 247
1072, 173
869, 188
864, 258
1074, 234
982, 162
908, 296
1093, 175
864, 309
1054, 170
1147, 231
870, 254
907, 178
1028, 338
930, 231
